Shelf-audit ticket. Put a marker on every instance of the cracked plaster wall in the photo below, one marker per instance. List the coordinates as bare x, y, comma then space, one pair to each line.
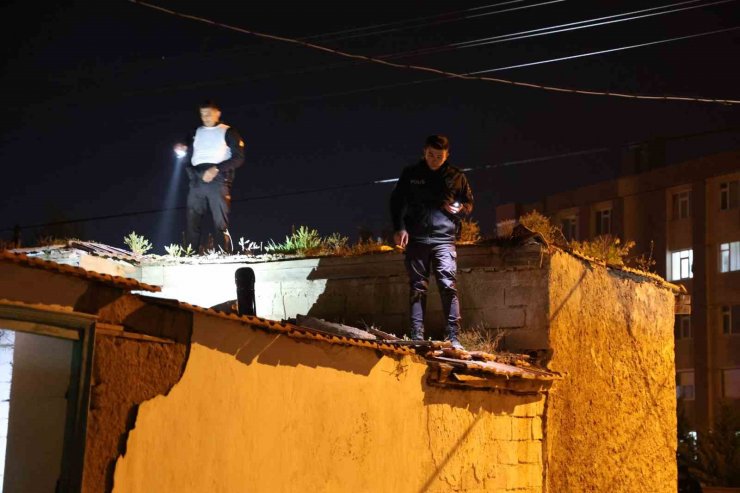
260, 412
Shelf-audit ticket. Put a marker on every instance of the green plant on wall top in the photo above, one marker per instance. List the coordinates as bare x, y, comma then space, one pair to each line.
302, 241
177, 251
137, 243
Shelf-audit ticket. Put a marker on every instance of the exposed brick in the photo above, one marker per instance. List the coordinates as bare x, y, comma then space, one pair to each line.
520, 296
507, 453
502, 428
518, 477
537, 431
521, 428
503, 318
530, 452
524, 339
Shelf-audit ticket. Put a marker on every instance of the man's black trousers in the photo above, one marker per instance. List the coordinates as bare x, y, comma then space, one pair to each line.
421, 260
215, 196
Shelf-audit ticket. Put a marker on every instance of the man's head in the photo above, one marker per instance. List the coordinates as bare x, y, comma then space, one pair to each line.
436, 151
210, 113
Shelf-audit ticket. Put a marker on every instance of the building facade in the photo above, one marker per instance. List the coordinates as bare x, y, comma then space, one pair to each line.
687, 217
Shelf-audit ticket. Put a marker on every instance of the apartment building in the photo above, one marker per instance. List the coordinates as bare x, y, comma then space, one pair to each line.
688, 216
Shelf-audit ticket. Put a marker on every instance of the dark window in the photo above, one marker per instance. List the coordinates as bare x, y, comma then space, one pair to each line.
603, 222
730, 316
728, 195
682, 327
682, 205
570, 227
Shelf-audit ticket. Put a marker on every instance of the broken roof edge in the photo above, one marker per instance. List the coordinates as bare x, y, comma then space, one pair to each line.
386, 347
115, 281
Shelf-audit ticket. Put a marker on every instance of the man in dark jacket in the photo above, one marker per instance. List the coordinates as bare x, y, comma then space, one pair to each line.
216, 150
426, 206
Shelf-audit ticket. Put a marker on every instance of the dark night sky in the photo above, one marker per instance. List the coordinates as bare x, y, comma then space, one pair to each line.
96, 93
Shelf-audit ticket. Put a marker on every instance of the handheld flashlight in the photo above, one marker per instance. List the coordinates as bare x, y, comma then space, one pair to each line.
180, 153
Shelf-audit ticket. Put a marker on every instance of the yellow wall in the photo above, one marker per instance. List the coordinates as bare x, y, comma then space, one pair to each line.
260, 412
611, 422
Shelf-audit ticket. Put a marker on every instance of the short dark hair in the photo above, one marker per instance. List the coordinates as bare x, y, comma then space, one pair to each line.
208, 103
438, 142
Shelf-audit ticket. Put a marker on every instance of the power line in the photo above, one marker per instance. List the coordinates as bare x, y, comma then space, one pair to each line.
545, 31
370, 29
611, 50
434, 70
446, 21
509, 67
426, 51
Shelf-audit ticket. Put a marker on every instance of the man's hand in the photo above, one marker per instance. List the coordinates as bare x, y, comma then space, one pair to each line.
453, 208
180, 149
210, 174
401, 238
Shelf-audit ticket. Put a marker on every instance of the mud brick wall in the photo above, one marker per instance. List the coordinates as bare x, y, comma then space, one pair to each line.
499, 289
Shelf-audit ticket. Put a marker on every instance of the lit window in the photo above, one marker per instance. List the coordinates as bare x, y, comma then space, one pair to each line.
681, 264
570, 227
729, 256
681, 205
728, 195
603, 222
685, 385
731, 383
730, 316
682, 329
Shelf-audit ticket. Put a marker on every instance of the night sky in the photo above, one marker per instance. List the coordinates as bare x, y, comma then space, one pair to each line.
96, 93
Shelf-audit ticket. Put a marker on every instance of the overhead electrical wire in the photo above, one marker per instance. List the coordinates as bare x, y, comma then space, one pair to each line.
611, 50
442, 21
369, 30
561, 28
446, 73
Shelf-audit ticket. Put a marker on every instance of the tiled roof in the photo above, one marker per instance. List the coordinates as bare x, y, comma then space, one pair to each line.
101, 250
116, 281
90, 247
387, 347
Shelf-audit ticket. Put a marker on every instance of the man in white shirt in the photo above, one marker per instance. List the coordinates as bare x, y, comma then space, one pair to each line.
216, 151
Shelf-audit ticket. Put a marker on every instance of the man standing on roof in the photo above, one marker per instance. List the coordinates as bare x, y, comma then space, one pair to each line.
426, 207
216, 150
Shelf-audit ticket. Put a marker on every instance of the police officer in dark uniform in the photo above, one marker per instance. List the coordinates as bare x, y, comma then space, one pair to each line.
426, 207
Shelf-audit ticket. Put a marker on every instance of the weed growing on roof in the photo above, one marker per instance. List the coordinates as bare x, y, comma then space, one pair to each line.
469, 232
137, 244
608, 248
541, 224
505, 229
308, 242
481, 338
644, 262
335, 243
302, 241
177, 251
248, 247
